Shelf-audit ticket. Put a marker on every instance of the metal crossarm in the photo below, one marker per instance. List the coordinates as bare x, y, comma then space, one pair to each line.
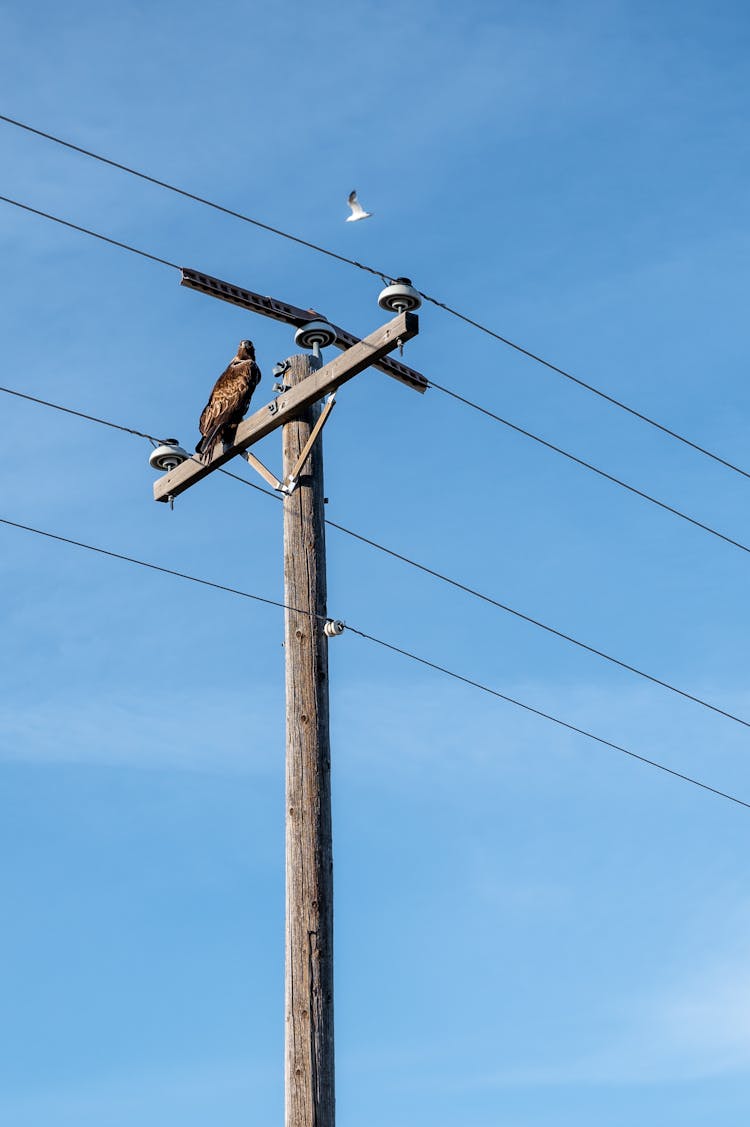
292, 315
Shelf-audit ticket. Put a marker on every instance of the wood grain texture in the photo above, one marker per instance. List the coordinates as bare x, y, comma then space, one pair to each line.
289, 404
309, 1043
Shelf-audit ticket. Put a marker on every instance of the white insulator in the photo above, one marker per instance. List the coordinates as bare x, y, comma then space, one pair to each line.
315, 332
167, 456
401, 297
333, 628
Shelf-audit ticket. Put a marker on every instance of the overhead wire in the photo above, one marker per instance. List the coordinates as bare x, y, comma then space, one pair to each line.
88, 231
197, 199
544, 715
386, 645
590, 466
81, 415
451, 310
158, 567
424, 568
454, 395
476, 594
589, 387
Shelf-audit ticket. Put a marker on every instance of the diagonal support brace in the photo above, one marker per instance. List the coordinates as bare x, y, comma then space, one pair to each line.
262, 470
293, 480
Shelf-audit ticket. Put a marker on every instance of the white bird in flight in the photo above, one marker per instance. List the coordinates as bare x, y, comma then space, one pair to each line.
358, 212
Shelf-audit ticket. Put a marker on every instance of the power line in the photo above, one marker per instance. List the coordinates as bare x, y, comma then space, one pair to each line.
81, 415
544, 715
195, 198
386, 645
460, 398
589, 466
535, 622
589, 387
155, 567
87, 231
446, 391
471, 591
385, 277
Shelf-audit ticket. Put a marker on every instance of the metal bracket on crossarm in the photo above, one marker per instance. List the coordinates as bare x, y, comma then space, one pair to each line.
292, 481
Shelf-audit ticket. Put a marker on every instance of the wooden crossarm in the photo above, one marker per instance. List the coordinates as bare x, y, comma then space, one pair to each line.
332, 375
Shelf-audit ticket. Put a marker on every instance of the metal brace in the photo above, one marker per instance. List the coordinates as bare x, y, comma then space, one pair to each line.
292, 481
263, 470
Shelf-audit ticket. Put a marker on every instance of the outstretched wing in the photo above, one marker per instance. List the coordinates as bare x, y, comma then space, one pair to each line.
358, 212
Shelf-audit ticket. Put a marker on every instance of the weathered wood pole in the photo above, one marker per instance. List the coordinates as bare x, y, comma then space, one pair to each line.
309, 1056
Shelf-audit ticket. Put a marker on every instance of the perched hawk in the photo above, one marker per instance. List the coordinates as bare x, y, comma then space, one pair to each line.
229, 399
358, 212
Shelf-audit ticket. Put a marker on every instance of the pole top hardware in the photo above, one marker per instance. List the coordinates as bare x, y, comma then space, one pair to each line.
370, 352
293, 315
400, 297
167, 456
333, 627
277, 372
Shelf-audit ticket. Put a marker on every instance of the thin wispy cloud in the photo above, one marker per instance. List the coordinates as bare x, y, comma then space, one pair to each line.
178, 733
696, 1026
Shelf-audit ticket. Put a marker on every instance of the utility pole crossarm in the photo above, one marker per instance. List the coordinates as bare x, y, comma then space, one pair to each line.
288, 404
292, 315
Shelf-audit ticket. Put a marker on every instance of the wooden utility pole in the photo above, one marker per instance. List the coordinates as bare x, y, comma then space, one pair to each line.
309, 1056
309, 1059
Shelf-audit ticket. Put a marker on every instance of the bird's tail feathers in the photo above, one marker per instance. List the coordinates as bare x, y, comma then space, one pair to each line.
224, 432
206, 445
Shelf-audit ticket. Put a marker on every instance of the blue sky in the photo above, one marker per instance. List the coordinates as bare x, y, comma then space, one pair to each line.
531, 930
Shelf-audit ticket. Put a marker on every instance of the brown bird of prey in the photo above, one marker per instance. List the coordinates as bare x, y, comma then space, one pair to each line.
229, 400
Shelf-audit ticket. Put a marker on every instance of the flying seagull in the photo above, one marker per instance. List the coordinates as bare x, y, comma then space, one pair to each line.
358, 212
229, 399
